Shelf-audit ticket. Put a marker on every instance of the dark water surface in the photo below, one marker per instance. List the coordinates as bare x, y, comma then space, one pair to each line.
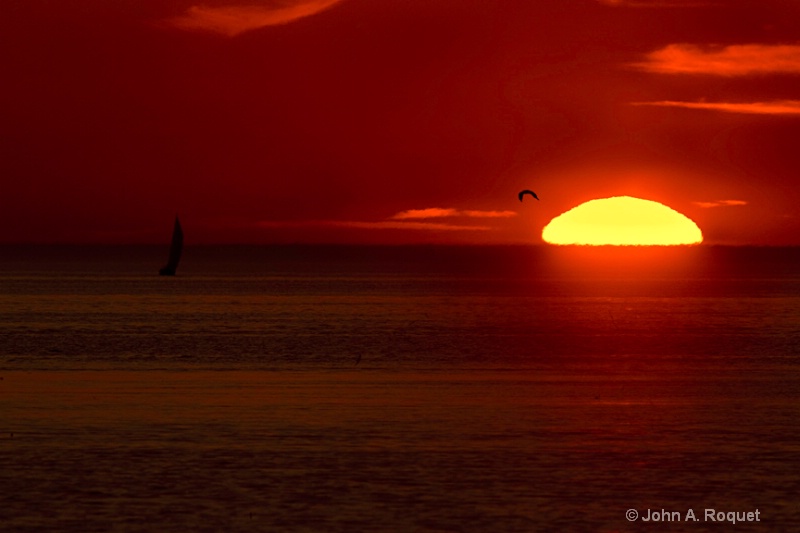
308, 388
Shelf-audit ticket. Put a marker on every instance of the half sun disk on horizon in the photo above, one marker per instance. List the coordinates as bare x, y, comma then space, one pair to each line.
622, 221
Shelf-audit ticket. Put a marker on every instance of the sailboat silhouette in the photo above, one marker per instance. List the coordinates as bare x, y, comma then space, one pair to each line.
175, 249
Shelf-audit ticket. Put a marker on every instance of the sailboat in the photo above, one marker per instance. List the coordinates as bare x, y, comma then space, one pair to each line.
175, 250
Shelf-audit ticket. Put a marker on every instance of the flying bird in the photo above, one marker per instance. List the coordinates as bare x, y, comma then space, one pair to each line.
527, 191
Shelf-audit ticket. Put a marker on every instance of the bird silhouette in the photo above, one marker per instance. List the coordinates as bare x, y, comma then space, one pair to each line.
526, 191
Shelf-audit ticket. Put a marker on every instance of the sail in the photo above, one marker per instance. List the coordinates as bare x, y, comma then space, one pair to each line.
175, 250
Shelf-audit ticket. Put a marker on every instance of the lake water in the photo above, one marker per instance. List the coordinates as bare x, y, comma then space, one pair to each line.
334, 388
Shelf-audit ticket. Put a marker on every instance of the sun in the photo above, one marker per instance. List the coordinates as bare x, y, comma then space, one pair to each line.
622, 221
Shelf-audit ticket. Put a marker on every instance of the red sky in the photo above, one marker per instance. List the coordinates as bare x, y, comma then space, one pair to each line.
393, 120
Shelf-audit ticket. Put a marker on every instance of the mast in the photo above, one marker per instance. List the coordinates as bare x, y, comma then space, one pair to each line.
175, 250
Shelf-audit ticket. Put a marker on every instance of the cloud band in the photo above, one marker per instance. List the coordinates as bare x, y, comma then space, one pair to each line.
778, 107
721, 203
235, 20
734, 60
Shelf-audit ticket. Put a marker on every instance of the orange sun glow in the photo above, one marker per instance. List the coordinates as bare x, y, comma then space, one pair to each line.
622, 221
